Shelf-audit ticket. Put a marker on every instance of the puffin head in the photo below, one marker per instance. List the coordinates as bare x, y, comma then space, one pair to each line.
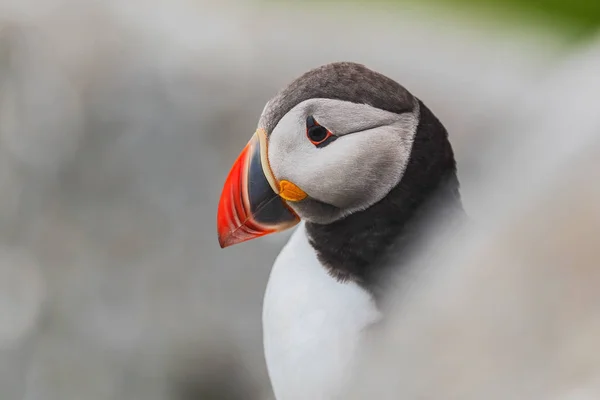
335, 142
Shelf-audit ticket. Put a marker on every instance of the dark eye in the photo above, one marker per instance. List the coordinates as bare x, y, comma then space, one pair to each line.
317, 134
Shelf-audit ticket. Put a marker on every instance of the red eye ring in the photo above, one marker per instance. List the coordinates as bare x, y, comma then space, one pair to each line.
316, 133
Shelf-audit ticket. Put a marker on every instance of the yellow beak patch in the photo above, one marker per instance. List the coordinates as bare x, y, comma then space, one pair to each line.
291, 192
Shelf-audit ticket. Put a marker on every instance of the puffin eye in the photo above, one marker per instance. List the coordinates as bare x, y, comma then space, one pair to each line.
317, 134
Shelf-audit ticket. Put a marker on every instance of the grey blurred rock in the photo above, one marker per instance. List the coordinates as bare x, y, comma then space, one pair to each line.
22, 291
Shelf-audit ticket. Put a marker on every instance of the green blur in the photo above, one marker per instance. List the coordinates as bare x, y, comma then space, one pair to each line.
573, 18
578, 15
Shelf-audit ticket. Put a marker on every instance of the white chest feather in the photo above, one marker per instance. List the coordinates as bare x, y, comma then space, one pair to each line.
311, 324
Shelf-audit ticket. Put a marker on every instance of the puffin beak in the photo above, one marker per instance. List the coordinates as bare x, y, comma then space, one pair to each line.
252, 202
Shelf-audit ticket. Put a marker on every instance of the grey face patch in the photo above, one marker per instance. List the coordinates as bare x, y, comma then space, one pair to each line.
350, 174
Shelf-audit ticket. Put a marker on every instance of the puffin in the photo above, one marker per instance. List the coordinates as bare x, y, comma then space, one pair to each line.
361, 169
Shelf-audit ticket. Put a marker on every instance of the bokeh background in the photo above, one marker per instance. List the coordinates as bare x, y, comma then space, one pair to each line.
119, 121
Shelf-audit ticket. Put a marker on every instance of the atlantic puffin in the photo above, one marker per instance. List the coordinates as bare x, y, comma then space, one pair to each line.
357, 165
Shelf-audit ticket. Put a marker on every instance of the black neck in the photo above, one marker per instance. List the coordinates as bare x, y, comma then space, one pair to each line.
360, 246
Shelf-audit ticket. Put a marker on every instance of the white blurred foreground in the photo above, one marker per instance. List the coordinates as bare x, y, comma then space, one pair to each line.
511, 308
119, 121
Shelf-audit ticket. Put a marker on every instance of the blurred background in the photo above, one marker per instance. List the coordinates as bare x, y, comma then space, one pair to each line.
119, 120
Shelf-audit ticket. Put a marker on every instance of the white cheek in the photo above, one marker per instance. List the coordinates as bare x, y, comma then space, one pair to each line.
290, 155
356, 170
360, 170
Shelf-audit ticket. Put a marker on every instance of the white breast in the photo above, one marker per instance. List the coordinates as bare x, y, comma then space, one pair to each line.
311, 324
